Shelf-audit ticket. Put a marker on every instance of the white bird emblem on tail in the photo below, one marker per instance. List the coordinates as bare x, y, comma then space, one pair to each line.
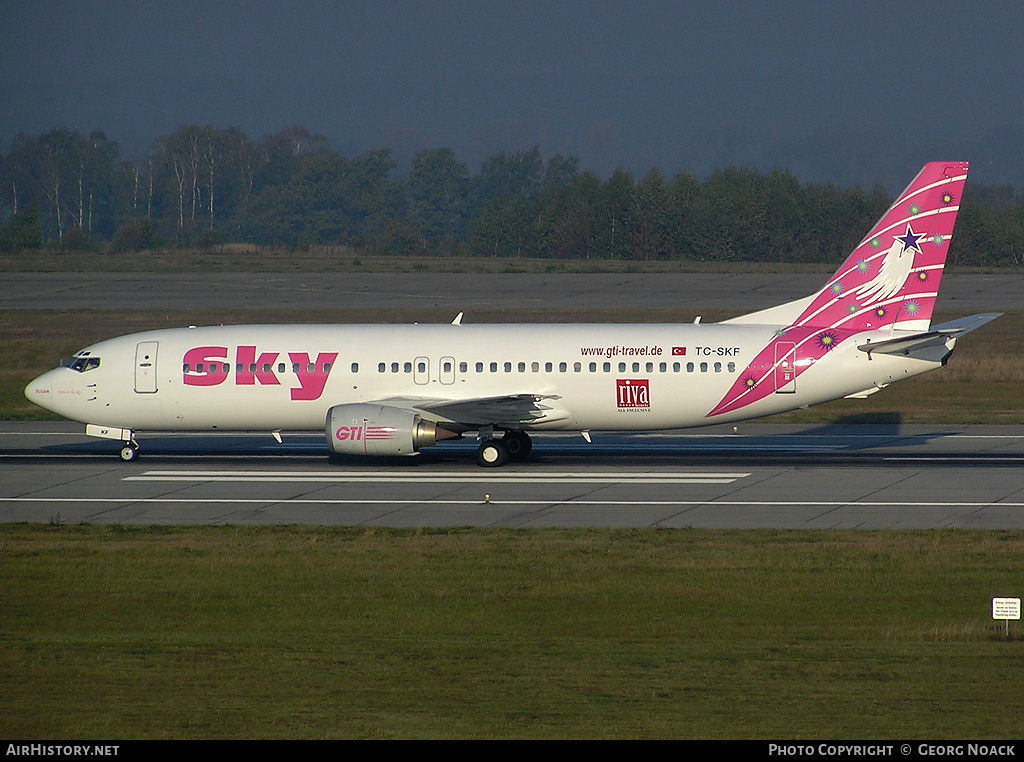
894, 271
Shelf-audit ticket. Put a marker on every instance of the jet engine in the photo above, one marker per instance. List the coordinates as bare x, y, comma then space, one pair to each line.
369, 429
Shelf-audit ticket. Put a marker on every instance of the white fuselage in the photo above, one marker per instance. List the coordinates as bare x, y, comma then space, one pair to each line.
591, 377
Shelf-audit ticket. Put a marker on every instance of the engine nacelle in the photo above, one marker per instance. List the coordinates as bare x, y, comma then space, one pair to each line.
369, 429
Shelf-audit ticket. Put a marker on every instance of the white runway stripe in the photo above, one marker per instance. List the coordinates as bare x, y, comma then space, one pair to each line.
417, 477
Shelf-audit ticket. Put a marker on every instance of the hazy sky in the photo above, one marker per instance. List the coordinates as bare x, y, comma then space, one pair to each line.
839, 91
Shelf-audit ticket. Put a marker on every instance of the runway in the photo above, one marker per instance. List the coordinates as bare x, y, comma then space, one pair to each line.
758, 476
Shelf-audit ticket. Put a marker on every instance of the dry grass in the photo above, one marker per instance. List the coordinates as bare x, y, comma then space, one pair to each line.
318, 259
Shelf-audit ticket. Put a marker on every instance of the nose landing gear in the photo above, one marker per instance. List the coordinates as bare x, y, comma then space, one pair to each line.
130, 451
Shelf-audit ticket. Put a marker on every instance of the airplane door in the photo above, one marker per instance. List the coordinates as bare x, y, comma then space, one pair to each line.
785, 367
421, 370
145, 367
447, 374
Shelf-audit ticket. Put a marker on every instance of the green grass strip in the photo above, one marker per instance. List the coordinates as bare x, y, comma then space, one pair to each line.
291, 632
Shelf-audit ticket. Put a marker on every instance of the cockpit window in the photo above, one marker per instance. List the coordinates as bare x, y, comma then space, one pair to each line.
83, 364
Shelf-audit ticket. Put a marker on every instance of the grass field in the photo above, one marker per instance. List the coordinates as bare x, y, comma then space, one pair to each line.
983, 382
225, 632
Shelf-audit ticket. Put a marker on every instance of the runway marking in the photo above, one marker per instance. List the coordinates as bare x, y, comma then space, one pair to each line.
418, 477
498, 502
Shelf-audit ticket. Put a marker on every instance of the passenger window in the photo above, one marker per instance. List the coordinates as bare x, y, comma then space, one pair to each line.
508, 367
381, 367
622, 367
394, 367
662, 367
311, 368
731, 367
295, 368
703, 367
562, 367
593, 367
577, 367
494, 367
479, 367
676, 367
280, 367
718, 367
689, 367
407, 367
522, 367
355, 367
421, 367
535, 367
607, 367
463, 367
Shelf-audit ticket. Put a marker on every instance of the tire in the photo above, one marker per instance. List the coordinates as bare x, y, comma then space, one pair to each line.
129, 453
518, 444
492, 454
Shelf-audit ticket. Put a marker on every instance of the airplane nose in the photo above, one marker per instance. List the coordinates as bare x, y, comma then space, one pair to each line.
40, 390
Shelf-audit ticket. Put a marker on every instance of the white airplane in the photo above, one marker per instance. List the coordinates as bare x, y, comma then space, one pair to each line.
393, 389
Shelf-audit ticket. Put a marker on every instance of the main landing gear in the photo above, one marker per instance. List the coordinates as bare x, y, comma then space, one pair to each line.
515, 445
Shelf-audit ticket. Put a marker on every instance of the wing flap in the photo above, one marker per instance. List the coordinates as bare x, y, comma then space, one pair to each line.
506, 410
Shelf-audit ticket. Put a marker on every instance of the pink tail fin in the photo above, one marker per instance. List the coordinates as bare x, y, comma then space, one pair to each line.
890, 281
892, 277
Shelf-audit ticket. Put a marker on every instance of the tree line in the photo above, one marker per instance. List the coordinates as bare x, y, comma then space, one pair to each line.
203, 185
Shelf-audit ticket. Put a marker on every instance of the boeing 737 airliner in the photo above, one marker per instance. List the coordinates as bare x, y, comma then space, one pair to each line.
393, 389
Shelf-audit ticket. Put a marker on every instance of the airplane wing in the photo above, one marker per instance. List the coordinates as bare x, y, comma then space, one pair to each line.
510, 410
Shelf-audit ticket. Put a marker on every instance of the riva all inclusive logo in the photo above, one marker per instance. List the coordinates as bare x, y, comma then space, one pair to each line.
633, 394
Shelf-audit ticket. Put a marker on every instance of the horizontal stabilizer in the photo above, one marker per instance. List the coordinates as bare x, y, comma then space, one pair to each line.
965, 325
937, 336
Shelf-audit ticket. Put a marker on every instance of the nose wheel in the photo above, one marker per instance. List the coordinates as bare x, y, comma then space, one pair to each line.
129, 452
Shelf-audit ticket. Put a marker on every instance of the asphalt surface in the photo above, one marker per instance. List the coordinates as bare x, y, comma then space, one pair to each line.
759, 476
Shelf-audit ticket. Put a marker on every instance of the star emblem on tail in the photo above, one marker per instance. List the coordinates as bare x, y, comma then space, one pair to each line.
895, 269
